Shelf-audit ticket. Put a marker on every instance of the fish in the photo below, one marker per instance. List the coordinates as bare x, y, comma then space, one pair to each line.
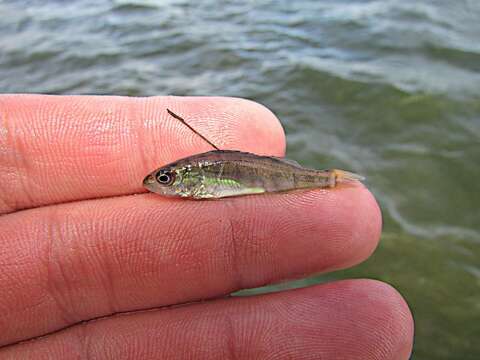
225, 173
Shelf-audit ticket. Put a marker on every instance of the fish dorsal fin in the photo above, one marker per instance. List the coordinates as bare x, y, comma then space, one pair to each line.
191, 128
288, 161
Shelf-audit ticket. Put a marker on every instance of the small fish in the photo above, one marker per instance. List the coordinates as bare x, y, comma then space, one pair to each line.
224, 173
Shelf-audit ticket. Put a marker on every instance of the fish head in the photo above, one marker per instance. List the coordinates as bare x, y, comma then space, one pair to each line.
172, 180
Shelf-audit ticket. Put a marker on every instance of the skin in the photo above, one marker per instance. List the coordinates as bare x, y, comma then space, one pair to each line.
81, 240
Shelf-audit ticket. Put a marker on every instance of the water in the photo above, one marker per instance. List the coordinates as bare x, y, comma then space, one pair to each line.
389, 89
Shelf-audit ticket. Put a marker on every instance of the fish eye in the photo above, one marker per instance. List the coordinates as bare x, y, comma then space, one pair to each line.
165, 178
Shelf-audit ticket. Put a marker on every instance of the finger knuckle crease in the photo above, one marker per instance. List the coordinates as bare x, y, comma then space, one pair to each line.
59, 270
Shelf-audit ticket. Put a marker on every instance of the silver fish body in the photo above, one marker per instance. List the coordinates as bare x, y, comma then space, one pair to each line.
224, 173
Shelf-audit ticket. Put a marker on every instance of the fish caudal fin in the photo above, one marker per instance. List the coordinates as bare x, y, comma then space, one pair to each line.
342, 175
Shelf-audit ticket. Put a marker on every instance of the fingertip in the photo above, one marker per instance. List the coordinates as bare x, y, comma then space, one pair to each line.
363, 213
359, 218
393, 315
335, 228
369, 314
265, 124
229, 122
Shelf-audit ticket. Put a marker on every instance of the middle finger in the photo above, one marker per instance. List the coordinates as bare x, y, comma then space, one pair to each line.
81, 260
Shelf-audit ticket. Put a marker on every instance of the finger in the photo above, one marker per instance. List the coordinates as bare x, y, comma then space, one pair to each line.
87, 259
62, 148
360, 319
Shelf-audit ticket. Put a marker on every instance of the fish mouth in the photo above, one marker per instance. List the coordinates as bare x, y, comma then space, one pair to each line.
148, 182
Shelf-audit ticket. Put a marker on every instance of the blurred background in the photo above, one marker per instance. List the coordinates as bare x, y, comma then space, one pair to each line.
389, 89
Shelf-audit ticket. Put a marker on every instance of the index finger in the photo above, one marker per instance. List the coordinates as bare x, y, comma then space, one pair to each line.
63, 148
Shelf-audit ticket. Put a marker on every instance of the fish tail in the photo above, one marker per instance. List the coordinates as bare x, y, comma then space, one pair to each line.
342, 175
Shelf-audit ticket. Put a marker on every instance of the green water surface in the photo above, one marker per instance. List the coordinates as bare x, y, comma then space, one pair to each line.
389, 89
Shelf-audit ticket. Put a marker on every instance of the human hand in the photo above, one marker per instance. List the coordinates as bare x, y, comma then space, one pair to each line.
77, 242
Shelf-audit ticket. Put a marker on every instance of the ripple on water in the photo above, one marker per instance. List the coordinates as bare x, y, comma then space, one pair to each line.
388, 89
